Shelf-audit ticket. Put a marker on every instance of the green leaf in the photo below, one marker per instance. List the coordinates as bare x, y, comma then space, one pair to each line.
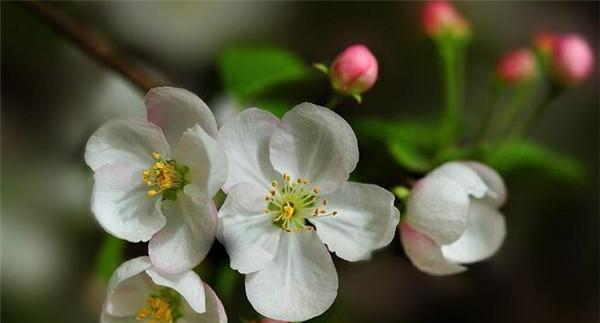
419, 133
521, 156
109, 257
247, 71
409, 156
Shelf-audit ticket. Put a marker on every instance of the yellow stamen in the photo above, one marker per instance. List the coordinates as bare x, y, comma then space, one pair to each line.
157, 311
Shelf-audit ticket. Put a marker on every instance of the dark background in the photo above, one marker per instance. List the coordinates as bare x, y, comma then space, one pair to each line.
53, 97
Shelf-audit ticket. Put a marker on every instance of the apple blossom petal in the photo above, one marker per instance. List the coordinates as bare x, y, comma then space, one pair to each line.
248, 234
175, 110
299, 284
128, 288
188, 284
121, 204
483, 237
215, 312
187, 237
206, 161
315, 143
438, 207
107, 318
425, 254
366, 220
463, 175
496, 194
128, 140
245, 139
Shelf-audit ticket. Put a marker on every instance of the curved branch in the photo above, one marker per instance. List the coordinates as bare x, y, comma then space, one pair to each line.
88, 43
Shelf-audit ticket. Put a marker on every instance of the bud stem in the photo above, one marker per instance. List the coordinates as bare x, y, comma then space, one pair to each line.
555, 91
451, 53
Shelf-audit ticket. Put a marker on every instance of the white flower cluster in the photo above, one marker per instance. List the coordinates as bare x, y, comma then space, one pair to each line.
289, 204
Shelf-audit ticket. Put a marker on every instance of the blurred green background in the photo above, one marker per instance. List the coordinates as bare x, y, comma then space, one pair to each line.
54, 97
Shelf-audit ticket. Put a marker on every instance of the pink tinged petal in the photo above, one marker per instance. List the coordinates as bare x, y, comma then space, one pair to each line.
215, 312
425, 254
206, 161
188, 284
460, 173
187, 237
245, 139
496, 194
121, 204
484, 235
248, 234
128, 288
438, 207
175, 110
299, 284
315, 143
366, 220
125, 141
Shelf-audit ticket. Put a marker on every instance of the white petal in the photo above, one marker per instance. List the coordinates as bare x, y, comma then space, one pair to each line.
128, 288
463, 175
175, 110
107, 318
366, 220
299, 284
484, 235
245, 139
215, 312
187, 237
496, 194
248, 234
188, 284
125, 141
425, 254
314, 143
206, 161
121, 204
438, 207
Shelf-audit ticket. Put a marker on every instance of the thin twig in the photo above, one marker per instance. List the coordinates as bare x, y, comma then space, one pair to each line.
91, 45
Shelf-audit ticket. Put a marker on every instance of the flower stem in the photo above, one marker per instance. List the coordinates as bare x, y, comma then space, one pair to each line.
334, 100
90, 44
554, 91
452, 56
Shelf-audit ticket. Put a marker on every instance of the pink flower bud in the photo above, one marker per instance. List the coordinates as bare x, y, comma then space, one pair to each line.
572, 58
440, 17
517, 66
354, 70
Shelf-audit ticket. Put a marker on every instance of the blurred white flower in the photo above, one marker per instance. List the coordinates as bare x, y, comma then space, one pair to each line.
137, 292
288, 195
189, 32
452, 218
155, 178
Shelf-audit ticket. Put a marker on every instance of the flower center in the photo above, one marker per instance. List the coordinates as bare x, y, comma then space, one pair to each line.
290, 203
164, 176
162, 307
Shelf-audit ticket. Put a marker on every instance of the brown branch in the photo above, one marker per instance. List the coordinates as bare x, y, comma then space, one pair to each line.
91, 45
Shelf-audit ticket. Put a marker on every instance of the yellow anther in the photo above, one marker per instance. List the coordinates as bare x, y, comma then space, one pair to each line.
317, 190
274, 183
152, 193
155, 155
157, 311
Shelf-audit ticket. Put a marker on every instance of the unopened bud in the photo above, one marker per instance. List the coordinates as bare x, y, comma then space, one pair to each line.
572, 59
440, 17
517, 66
354, 70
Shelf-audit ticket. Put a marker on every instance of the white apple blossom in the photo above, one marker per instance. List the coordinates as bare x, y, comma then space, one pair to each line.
452, 218
138, 292
288, 197
155, 178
